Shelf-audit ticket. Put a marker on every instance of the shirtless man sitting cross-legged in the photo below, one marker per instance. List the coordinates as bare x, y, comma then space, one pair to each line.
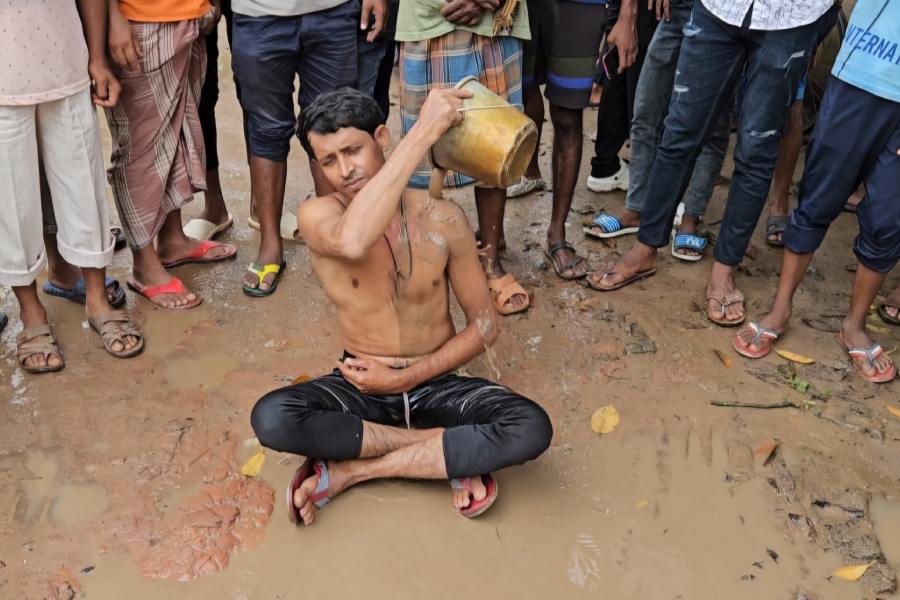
385, 254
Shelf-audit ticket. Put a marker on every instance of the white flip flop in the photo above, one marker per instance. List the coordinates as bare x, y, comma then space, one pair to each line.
201, 229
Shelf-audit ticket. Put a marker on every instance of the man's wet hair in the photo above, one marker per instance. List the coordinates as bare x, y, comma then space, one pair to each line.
329, 112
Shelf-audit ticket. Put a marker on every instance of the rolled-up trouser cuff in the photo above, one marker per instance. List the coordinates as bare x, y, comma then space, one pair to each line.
23, 278
801, 239
87, 259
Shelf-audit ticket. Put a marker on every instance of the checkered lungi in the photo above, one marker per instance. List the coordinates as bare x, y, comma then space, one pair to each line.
443, 62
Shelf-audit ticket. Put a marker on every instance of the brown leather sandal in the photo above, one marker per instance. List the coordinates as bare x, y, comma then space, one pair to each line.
115, 326
27, 345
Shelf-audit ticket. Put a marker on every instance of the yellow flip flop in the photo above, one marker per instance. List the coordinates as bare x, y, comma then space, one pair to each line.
261, 273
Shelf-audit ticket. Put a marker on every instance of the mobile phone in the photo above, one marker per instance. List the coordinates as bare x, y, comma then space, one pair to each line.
609, 63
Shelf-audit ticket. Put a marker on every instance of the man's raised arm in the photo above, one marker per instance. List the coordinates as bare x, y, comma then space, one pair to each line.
352, 233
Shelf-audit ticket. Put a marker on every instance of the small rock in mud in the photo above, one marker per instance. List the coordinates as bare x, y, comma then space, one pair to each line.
642, 343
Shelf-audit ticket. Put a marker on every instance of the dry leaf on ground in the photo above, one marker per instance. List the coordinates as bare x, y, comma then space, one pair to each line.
642, 503
894, 410
301, 379
605, 419
794, 357
764, 451
254, 464
852, 572
726, 360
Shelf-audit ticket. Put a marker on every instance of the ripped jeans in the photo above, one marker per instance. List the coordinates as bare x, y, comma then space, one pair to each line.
713, 56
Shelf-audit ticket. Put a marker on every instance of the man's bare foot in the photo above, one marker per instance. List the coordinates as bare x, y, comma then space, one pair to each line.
473, 489
32, 316
493, 269
869, 359
337, 483
268, 255
724, 301
175, 251
638, 262
689, 224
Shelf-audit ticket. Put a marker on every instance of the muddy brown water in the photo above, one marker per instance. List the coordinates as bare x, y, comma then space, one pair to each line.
118, 478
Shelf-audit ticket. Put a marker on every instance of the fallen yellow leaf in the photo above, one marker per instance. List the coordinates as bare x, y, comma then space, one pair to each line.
254, 464
877, 329
726, 360
642, 503
894, 410
605, 419
764, 452
301, 379
794, 357
852, 572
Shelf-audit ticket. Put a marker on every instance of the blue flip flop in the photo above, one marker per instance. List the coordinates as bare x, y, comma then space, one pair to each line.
688, 241
78, 294
609, 227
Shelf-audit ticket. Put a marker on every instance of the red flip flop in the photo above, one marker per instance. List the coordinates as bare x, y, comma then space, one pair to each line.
198, 255
759, 334
175, 286
300, 475
477, 507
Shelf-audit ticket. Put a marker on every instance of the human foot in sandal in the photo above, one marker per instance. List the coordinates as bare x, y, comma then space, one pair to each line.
754, 340
120, 335
198, 252
868, 357
775, 226
607, 225
567, 265
635, 265
889, 310
314, 484
472, 496
724, 302
37, 350
687, 243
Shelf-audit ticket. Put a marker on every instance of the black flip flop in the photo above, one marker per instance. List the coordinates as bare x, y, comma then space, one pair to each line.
119, 235
881, 313
775, 225
560, 268
4, 320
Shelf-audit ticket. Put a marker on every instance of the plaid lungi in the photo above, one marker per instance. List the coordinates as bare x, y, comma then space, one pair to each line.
443, 62
158, 157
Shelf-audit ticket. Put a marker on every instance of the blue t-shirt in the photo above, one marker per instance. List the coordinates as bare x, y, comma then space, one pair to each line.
870, 55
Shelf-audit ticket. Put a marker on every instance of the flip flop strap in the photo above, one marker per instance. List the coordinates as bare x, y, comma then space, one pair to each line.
26, 335
607, 222
261, 273
320, 496
759, 332
174, 286
202, 248
871, 353
689, 241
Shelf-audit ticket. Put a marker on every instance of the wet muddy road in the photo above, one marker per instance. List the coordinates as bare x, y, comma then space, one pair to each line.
121, 479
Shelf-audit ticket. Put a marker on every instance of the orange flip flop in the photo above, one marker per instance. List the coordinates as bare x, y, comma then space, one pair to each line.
504, 288
174, 286
198, 255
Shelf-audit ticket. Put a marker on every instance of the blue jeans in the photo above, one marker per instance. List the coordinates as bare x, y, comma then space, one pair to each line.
269, 52
713, 56
651, 103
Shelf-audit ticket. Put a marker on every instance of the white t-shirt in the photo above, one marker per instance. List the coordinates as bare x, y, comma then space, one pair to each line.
43, 55
769, 15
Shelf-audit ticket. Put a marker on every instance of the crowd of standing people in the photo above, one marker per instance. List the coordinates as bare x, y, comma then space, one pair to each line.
676, 78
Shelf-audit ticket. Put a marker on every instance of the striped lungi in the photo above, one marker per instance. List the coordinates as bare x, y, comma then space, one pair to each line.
443, 62
158, 159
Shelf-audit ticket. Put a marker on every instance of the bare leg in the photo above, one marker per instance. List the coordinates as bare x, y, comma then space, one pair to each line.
491, 206
866, 284
267, 178
788, 155
793, 270
32, 313
411, 454
567, 132
534, 108
214, 209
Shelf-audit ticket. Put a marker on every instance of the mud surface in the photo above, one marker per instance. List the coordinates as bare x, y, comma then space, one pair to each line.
120, 479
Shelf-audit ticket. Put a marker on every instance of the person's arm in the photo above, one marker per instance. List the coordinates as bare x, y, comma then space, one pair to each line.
376, 10
105, 87
471, 290
352, 233
123, 48
624, 36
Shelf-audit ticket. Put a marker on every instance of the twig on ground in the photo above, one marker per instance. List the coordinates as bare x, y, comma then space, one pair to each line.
785, 404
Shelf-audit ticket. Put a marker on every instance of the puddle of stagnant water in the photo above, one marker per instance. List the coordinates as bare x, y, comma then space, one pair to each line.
623, 518
885, 513
204, 371
44, 493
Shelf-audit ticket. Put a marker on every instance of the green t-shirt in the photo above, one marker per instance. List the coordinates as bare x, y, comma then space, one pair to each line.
422, 20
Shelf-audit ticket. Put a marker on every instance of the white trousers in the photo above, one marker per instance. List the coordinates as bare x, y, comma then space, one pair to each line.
64, 135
